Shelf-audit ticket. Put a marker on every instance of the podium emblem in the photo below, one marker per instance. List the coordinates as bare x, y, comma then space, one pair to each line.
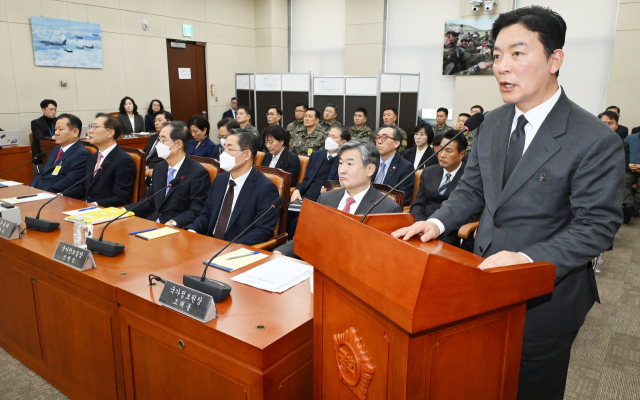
354, 366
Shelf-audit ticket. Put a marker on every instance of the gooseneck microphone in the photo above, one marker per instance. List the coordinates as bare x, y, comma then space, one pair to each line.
112, 249
472, 123
216, 289
39, 157
43, 225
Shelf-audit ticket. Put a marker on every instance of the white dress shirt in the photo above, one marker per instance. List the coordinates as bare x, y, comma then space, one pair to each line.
445, 172
236, 192
176, 167
132, 119
274, 159
419, 154
105, 153
357, 200
65, 148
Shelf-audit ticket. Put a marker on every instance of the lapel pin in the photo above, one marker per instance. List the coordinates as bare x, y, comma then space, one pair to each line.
542, 177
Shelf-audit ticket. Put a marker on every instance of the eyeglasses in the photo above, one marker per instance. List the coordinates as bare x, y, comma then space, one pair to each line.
163, 140
271, 114
94, 127
382, 138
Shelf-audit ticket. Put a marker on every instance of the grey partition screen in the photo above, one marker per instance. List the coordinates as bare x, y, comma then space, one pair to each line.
347, 93
400, 91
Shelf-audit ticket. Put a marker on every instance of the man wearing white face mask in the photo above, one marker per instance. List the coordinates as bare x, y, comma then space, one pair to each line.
179, 205
239, 195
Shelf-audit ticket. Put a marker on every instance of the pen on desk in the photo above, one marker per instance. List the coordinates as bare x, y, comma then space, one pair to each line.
27, 196
146, 230
244, 255
87, 209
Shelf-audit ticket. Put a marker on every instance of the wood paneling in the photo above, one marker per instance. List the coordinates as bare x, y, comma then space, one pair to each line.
10, 156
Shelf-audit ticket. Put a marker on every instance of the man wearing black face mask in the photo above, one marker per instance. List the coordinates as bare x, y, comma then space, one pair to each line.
239, 195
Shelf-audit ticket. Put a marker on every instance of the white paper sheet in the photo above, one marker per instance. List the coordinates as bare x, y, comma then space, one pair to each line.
10, 183
274, 276
39, 196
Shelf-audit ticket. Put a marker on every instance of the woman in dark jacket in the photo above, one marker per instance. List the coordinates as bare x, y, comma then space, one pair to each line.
423, 137
277, 141
201, 145
131, 121
150, 118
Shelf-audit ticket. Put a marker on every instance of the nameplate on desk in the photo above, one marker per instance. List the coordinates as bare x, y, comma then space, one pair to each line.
9, 229
74, 256
192, 303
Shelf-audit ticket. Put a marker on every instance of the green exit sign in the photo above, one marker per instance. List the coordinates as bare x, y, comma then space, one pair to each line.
187, 30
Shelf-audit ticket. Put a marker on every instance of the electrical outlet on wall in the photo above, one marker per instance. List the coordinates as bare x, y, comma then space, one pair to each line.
63, 83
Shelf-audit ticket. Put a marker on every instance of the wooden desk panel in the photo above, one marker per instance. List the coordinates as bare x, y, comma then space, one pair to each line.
10, 156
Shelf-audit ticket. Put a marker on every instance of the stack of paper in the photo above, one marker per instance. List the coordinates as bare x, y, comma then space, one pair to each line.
9, 183
248, 257
158, 233
39, 196
275, 276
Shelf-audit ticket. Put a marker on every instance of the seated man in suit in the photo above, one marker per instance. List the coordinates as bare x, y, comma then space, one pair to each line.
393, 168
239, 195
358, 162
278, 155
179, 205
225, 125
66, 163
45, 126
416, 155
150, 148
114, 185
438, 181
621, 130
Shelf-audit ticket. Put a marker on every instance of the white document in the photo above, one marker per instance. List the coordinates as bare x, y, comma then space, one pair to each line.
275, 276
10, 183
39, 196
80, 211
184, 73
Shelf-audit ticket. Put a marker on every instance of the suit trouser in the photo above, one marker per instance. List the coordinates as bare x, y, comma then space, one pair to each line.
629, 198
544, 366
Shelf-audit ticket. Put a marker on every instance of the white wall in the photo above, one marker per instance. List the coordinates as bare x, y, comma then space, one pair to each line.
318, 36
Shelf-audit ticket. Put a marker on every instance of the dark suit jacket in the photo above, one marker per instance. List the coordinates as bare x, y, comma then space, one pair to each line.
152, 159
227, 114
312, 169
112, 186
149, 123
398, 169
622, 131
41, 131
183, 202
256, 196
206, 148
551, 209
126, 124
428, 200
73, 163
410, 155
287, 162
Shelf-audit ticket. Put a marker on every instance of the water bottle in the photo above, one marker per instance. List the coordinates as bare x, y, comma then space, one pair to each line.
79, 229
600, 260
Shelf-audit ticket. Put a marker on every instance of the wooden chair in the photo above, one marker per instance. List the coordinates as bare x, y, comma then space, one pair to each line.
282, 180
396, 195
115, 114
258, 158
140, 159
30, 138
304, 161
467, 229
92, 149
212, 166
415, 190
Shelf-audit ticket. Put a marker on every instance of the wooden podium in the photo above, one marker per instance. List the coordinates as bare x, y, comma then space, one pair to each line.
410, 320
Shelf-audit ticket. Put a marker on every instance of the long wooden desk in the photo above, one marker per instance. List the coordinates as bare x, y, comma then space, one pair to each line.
137, 143
10, 156
87, 332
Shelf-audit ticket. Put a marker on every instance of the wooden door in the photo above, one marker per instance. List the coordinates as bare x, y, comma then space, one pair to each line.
188, 90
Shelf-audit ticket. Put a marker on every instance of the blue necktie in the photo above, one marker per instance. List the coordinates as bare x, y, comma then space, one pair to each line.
170, 176
443, 187
380, 176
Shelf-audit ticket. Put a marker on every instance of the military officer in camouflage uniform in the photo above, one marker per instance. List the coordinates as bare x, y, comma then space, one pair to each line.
473, 70
472, 134
455, 58
299, 122
330, 115
243, 116
441, 122
390, 116
360, 130
310, 137
462, 118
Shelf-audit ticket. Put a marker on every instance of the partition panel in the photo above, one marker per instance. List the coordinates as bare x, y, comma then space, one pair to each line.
353, 102
388, 100
320, 102
408, 117
289, 102
263, 101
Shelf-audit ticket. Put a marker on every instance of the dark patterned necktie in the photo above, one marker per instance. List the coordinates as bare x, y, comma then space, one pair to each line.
516, 148
225, 213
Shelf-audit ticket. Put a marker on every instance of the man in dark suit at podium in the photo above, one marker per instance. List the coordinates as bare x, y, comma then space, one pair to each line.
67, 161
551, 177
392, 168
112, 186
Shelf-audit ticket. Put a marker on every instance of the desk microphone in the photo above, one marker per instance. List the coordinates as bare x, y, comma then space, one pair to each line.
472, 123
43, 225
216, 289
39, 157
112, 249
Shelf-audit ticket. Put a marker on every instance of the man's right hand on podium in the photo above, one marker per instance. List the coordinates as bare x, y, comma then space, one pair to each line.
426, 229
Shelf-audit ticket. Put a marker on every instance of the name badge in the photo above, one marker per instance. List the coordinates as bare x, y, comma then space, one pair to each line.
56, 170
309, 151
192, 303
73, 256
9, 229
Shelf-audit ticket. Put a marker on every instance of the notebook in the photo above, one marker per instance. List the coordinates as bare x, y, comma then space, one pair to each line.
158, 233
222, 263
102, 215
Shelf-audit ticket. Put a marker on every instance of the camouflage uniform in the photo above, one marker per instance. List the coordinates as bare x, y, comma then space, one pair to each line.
303, 143
294, 126
251, 129
327, 126
470, 135
362, 133
403, 144
437, 130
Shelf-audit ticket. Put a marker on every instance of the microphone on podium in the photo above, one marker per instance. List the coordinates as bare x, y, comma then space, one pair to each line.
112, 249
472, 123
43, 225
216, 289
39, 157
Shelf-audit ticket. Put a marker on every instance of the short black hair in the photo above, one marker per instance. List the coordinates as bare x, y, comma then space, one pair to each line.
122, 110
111, 122
167, 115
427, 128
608, 108
45, 103
345, 133
397, 135
150, 110
460, 139
277, 108
303, 105
464, 115
362, 110
478, 106
395, 110
247, 140
233, 98
314, 111
73, 122
228, 123
246, 109
335, 109
437, 140
548, 24
180, 131
610, 114
444, 110
201, 123
278, 133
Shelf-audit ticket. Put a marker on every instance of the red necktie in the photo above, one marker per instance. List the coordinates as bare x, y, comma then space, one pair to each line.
95, 171
347, 207
60, 153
